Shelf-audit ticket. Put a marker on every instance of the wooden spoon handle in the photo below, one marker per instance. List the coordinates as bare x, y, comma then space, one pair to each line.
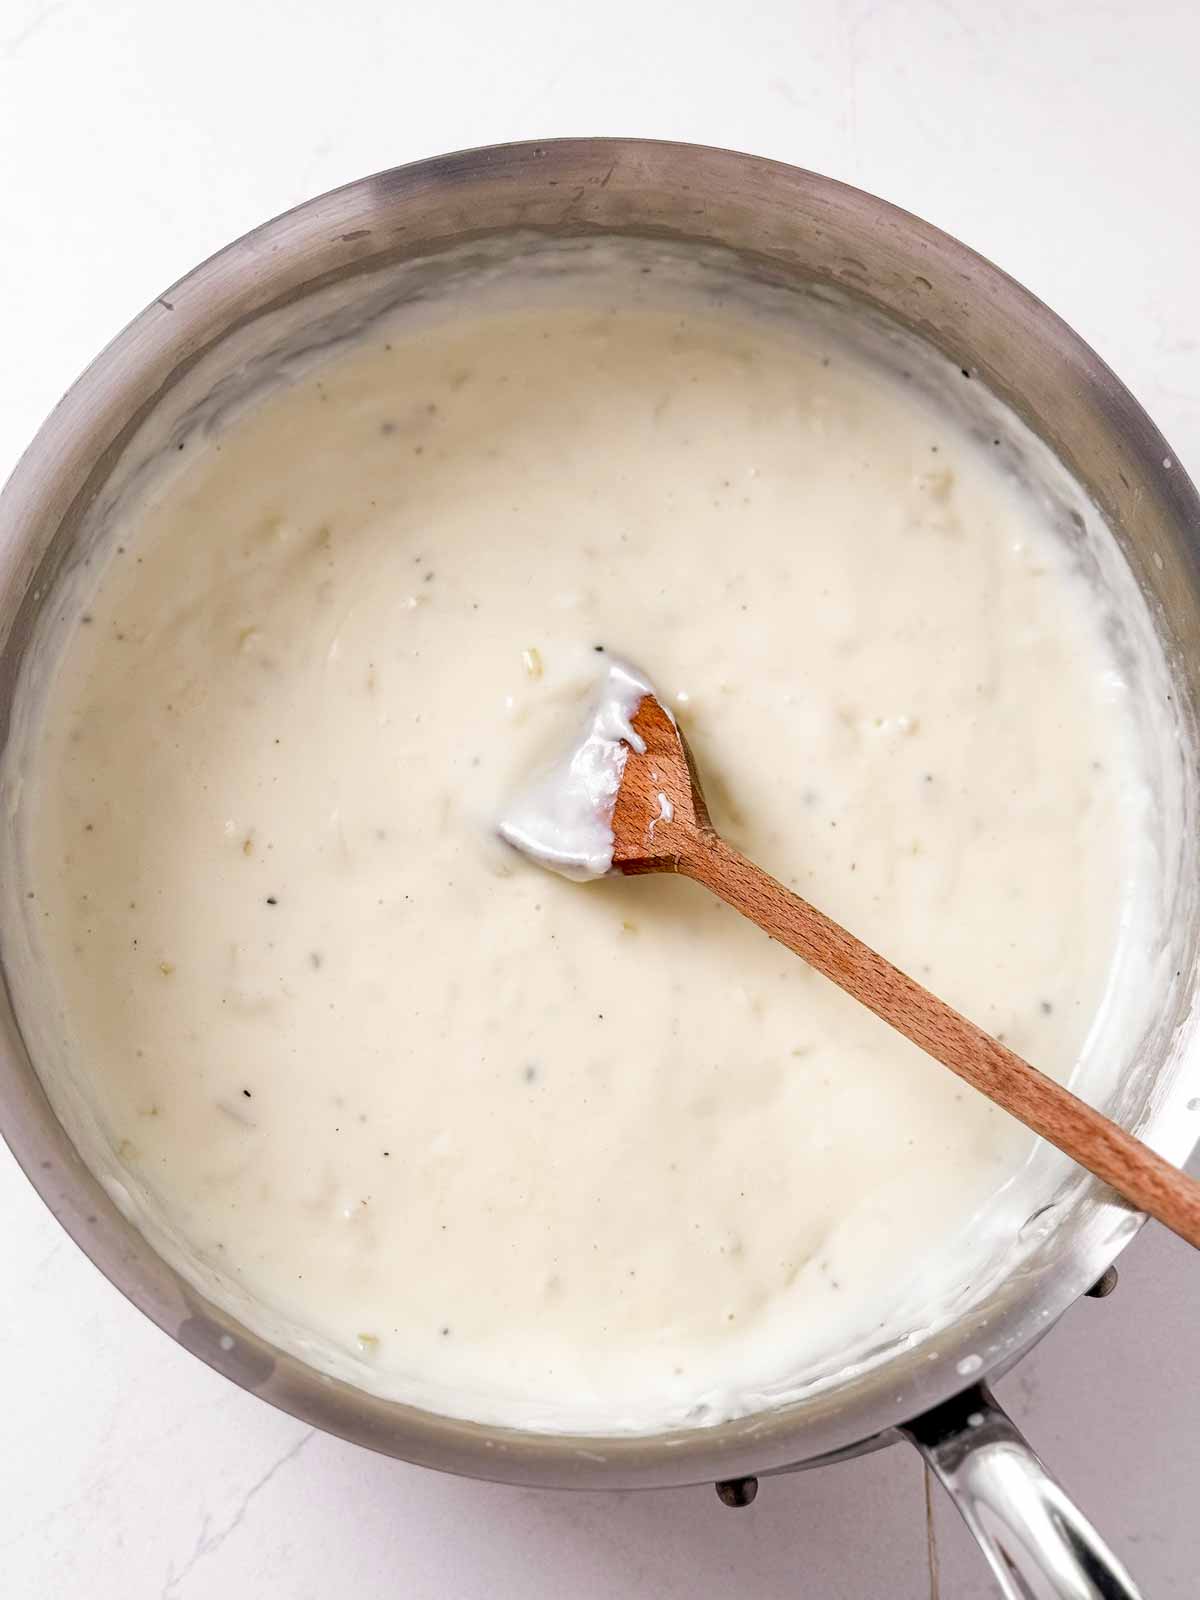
1132, 1168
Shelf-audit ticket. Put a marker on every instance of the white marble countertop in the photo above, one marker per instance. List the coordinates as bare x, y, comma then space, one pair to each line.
1061, 139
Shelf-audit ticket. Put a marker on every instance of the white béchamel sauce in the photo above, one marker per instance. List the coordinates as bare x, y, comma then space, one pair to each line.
574, 1158
562, 817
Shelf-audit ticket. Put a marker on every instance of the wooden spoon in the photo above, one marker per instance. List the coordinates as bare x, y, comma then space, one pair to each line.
650, 836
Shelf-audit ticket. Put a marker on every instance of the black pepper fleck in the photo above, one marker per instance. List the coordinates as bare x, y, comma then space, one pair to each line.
271, 900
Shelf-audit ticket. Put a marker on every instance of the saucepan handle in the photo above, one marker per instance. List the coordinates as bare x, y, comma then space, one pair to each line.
1037, 1543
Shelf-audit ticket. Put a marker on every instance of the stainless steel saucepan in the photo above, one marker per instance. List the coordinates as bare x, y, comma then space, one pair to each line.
789, 227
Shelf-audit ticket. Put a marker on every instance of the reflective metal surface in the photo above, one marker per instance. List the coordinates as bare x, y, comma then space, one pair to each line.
788, 227
1037, 1544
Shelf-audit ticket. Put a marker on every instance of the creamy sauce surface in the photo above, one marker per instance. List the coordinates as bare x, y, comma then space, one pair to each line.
592, 1157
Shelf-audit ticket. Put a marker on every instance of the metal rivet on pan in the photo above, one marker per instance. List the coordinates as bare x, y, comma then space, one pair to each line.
737, 1491
1104, 1284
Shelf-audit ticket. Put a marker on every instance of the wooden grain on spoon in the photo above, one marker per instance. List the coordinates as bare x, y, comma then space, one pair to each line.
679, 837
